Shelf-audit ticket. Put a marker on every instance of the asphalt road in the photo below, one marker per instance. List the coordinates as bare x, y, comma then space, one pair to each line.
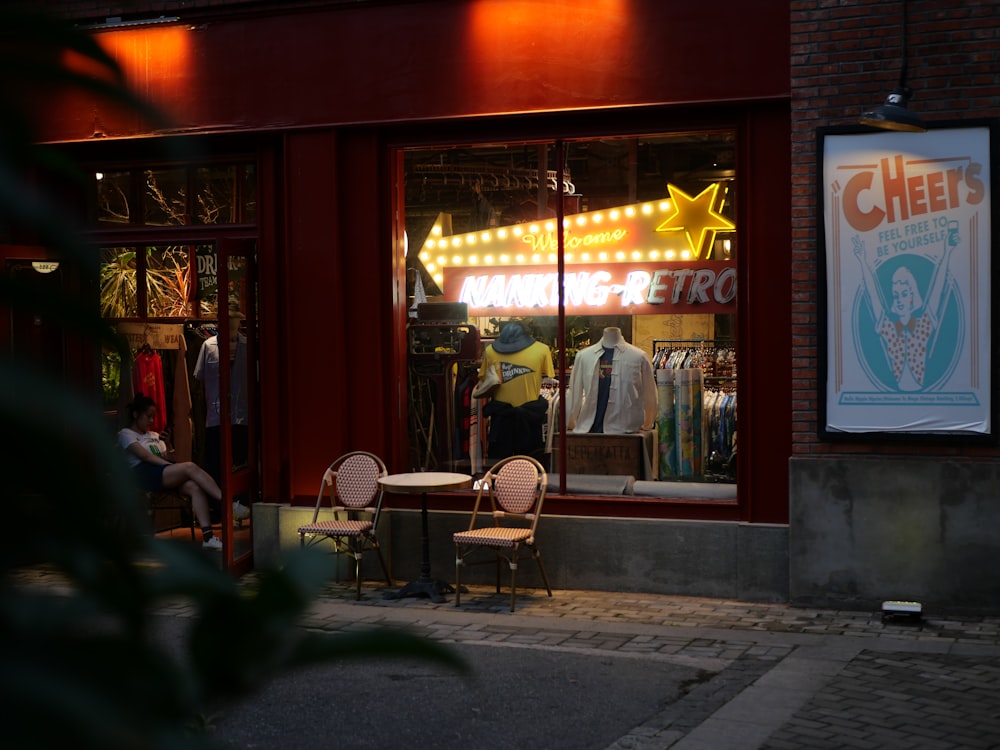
517, 697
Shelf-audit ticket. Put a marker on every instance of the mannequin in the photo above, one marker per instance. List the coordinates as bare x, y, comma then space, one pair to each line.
612, 389
520, 362
612, 337
515, 363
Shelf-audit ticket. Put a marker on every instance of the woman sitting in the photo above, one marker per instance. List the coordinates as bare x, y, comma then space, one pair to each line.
147, 457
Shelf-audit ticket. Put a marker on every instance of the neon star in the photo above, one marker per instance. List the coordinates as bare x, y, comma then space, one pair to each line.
696, 217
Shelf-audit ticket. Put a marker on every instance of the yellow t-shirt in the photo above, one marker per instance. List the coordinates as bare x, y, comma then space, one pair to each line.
521, 372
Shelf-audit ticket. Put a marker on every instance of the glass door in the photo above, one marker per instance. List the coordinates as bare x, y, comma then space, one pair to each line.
233, 441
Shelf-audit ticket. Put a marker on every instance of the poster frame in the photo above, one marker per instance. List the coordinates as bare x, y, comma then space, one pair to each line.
828, 341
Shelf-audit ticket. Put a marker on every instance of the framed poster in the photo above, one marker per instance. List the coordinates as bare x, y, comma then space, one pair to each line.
906, 309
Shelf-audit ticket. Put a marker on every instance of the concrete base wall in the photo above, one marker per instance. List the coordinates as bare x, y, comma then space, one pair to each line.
693, 558
866, 530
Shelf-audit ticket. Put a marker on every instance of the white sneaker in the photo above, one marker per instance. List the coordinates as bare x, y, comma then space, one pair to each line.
213, 543
240, 511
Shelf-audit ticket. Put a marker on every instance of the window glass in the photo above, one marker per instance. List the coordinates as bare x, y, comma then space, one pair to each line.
119, 298
649, 292
217, 190
165, 197
114, 193
248, 195
168, 281
163, 273
210, 194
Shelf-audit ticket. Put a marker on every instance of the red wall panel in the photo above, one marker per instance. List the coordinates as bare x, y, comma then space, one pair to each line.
316, 349
382, 62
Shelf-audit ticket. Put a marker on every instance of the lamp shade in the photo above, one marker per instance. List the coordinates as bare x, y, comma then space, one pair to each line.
893, 114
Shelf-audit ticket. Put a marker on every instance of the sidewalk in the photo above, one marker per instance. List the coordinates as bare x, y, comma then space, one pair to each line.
769, 675
782, 677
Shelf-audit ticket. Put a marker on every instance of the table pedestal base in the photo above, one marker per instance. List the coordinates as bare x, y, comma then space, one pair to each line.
429, 587
425, 585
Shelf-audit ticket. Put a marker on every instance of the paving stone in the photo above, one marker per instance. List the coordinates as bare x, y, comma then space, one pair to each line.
882, 685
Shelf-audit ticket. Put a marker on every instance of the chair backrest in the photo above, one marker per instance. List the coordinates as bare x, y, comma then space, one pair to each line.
353, 479
357, 479
517, 487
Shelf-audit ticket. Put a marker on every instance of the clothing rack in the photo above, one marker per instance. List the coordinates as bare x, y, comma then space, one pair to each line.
717, 357
723, 343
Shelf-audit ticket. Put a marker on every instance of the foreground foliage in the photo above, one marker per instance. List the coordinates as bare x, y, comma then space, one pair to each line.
82, 663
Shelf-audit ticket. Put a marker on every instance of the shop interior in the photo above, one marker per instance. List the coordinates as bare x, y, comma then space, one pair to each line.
466, 208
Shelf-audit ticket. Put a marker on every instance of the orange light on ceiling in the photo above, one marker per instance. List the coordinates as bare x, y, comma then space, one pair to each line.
506, 36
492, 16
156, 61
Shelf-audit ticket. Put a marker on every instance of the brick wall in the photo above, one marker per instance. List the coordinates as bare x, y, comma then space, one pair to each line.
845, 58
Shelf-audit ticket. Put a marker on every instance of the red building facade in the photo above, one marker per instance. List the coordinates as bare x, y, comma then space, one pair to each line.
334, 103
329, 104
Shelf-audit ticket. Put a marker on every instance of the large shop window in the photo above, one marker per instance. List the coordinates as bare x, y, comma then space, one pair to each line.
642, 400
164, 297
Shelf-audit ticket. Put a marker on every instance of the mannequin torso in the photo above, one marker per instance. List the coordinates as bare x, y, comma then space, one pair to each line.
611, 337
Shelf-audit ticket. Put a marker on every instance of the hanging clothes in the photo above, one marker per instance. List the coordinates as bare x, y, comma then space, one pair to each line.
666, 424
475, 439
183, 428
516, 430
463, 417
147, 377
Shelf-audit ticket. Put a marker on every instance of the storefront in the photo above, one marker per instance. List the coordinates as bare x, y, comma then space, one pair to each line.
377, 208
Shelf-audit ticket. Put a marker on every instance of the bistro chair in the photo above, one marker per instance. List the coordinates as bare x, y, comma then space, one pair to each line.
356, 499
175, 506
516, 488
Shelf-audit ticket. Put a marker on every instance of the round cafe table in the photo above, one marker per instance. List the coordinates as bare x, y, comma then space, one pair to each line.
422, 482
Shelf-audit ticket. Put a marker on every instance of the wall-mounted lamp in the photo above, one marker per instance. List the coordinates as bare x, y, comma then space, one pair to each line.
893, 113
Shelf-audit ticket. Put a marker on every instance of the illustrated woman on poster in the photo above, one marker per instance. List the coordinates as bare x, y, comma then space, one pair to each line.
909, 325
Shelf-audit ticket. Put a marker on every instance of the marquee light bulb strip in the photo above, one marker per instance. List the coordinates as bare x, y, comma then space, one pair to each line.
681, 228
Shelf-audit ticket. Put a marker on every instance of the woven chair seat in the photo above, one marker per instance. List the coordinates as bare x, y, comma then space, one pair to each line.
503, 536
340, 528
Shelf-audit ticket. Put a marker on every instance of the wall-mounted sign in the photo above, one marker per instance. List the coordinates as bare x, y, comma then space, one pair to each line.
907, 221
595, 289
157, 335
208, 272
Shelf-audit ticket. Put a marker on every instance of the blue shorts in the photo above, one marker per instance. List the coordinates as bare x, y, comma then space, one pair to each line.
149, 477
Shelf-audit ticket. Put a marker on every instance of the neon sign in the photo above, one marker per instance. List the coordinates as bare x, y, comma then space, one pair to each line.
697, 218
546, 241
680, 228
706, 287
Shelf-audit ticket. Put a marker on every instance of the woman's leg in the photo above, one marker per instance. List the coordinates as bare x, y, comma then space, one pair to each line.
190, 479
175, 475
199, 503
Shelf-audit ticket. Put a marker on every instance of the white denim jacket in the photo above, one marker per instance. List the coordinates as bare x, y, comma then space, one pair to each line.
631, 399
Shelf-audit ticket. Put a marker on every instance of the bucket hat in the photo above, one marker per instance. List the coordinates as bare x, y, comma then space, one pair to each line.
513, 338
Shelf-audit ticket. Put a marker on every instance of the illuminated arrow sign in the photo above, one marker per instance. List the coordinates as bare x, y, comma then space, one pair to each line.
679, 229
